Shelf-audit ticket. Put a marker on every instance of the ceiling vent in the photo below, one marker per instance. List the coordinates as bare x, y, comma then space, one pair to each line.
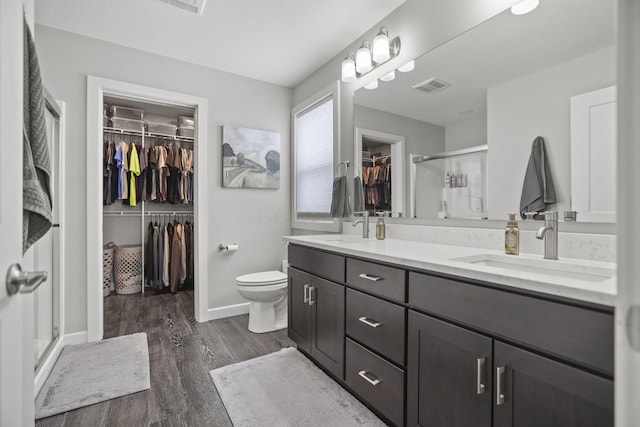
193, 6
432, 85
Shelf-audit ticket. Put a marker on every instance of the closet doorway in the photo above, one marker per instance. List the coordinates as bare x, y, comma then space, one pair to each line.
107, 221
386, 152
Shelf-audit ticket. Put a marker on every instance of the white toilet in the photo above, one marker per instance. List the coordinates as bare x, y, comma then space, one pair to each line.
267, 292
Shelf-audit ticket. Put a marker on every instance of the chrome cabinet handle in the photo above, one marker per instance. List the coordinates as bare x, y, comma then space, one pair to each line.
371, 322
368, 277
363, 374
480, 387
499, 381
23, 282
305, 298
311, 289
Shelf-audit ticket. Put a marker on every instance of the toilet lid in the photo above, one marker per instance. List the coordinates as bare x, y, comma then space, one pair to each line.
262, 278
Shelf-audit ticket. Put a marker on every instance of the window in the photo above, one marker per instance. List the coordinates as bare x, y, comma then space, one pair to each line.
315, 146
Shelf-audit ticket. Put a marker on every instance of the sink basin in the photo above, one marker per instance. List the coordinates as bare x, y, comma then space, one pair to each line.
339, 238
556, 268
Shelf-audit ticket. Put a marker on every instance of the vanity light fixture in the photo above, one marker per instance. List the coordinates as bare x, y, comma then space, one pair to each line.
389, 76
372, 85
525, 6
409, 66
381, 46
365, 60
349, 69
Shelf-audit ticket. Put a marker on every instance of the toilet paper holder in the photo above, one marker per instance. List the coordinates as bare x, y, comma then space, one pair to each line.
228, 247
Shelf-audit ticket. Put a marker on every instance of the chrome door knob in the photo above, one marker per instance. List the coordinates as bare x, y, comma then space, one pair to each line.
23, 282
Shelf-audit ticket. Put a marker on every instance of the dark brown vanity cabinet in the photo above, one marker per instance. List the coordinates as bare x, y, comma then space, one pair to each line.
426, 349
449, 381
316, 315
456, 376
375, 347
532, 390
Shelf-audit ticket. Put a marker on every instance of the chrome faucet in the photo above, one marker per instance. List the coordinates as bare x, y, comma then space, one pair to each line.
364, 221
550, 235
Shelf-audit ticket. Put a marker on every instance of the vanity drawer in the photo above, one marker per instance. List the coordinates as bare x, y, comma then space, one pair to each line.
388, 282
376, 381
319, 263
581, 335
377, 324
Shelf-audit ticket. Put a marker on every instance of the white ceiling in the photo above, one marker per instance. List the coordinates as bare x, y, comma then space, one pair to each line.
276, 41
496, 51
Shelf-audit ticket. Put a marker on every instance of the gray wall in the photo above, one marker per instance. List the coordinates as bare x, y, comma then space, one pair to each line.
422, 26
466, 134
255, 219
532, 105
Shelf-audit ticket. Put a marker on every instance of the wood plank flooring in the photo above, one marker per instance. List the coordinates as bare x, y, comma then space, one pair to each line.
181, 354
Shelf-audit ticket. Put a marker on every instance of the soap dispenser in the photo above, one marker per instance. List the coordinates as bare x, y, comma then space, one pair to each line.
380, 226
512, 236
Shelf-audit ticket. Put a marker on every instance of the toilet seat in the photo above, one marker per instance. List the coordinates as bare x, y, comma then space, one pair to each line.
263, 278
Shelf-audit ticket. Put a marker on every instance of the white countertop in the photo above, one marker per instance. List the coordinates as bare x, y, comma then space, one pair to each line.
445, 259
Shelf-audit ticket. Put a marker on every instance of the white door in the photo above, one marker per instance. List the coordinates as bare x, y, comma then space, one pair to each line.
16, 329
593, 155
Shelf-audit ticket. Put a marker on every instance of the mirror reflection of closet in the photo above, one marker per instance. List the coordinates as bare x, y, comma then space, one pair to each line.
378, 160
376, 175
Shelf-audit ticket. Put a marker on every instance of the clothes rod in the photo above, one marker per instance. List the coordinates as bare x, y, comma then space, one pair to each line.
167, 213
147, 134
148, 213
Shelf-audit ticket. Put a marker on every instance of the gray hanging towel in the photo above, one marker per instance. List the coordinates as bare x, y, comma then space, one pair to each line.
339, 203
358, 195
36, 163
537, 190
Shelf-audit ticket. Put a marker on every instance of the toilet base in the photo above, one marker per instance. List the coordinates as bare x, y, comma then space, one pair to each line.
267, 317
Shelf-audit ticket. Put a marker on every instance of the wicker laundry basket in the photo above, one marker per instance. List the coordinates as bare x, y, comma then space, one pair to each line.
107, 268
128, 269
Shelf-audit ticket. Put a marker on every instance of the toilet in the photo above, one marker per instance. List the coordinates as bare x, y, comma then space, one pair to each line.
267, 291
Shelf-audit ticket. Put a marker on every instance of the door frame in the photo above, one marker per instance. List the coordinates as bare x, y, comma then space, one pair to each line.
398, 202
97, 89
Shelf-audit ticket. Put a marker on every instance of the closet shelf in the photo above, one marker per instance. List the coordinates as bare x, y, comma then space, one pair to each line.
147, 134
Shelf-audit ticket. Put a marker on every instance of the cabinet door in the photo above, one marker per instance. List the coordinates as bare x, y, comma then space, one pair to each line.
448, 375
299, 311
537, 391
327, 308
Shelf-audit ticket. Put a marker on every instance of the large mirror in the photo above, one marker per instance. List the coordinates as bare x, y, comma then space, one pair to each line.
501, 84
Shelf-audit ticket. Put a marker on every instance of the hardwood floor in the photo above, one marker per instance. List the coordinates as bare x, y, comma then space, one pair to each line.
181, 354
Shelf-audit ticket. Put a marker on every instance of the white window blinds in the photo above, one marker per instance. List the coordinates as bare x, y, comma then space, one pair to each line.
314, 159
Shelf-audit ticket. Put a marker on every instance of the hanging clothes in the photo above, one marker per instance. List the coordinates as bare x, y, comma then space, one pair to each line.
376, 182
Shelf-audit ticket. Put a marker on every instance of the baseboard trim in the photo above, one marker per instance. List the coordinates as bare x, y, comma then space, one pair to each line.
228, 311
44, 371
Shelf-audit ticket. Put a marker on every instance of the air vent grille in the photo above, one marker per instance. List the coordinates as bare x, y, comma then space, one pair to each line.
432, 85
193, 6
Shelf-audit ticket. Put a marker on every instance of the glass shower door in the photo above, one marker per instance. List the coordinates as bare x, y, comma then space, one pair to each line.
46, 299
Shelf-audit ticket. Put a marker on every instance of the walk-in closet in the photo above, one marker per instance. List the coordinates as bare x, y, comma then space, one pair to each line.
148, 197
376, 175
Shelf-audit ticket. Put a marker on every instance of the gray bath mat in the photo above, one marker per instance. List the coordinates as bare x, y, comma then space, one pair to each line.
286, 389
89, 373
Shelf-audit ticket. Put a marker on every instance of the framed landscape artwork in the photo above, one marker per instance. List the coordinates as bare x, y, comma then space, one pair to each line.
250, 158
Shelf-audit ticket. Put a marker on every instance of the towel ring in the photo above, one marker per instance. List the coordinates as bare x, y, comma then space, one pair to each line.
346, 167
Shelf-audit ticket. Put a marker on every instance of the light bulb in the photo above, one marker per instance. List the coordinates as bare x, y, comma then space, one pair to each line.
363, 58
381, 46
389, 76
372, 85
348, 69
524, 6
409, 66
